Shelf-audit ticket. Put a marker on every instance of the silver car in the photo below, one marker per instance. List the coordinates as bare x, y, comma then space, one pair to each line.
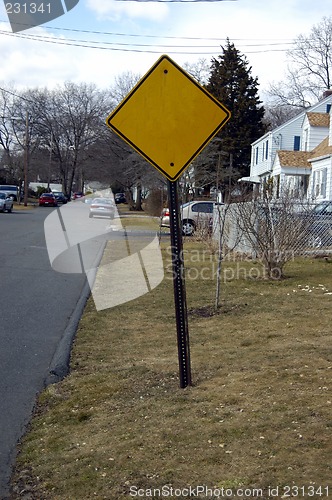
102, 207
193, 214
6, 203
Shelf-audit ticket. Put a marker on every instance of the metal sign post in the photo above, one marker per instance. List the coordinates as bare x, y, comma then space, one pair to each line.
169, 118
179, 285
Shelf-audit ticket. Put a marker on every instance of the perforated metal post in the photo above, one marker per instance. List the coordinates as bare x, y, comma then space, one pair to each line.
179, 285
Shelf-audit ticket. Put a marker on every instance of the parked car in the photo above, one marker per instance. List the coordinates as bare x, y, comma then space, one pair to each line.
77, 195
6, 203
60, 197
47, 200
102, 207
120, 198
193, 214
320, 224
10, 190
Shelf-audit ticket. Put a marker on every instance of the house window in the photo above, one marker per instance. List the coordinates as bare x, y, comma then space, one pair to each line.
256, 156
319, 183
266, 150
328, 108
306, 133
323, 182
263, 151
297, 143
313, 187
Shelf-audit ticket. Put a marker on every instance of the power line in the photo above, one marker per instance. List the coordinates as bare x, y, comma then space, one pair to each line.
110, 33
88, 46
119, 46
47, 38
44, 37
16, 95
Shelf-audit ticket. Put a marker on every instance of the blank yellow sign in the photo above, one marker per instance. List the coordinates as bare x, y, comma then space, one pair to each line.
168, 118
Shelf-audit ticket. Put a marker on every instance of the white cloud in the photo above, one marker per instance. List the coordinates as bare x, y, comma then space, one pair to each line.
248, 23
31, 63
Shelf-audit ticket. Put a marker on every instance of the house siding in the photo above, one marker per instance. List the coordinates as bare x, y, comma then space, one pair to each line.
283, 138
315, 135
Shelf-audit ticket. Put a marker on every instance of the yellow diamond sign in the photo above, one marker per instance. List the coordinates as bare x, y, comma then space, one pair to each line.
168, 118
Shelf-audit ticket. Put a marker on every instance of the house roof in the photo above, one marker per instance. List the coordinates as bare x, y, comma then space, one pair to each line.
294, 158
326, 100
301, 158
322, 149
318, 119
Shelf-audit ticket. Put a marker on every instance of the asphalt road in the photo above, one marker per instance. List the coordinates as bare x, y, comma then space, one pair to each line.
36, 305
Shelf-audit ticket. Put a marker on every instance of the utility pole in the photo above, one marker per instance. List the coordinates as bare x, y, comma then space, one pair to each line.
26, 160
50, 163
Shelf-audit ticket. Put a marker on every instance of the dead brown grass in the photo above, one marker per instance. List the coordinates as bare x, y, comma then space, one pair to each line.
258, 413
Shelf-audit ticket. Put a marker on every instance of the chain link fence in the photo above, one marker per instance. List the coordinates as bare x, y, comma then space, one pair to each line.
261, 226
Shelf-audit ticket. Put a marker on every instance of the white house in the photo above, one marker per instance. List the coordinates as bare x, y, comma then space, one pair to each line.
320, 187
297, 154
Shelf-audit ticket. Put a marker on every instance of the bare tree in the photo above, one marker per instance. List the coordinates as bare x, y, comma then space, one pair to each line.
68, 121
10, 165
277, 114
18, 139
122, 85
200, 70
122, 168
310, 68
274, 229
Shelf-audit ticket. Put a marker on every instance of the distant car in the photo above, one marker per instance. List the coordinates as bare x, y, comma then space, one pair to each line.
6, 203
120, 198
77, 195
47, 200
193, 214
102, 207
60, 197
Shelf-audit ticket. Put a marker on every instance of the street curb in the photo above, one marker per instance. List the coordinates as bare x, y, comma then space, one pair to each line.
59, 366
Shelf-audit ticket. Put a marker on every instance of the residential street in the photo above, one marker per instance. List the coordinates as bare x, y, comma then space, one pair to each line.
36, 305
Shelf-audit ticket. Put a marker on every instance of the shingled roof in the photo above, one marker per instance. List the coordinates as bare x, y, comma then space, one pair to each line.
294, 158
301, 158
322, 149
319, 119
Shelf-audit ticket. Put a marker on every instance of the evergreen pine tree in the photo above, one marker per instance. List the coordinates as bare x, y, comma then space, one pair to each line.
231, 83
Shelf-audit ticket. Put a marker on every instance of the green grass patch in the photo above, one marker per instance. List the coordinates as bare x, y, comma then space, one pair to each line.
258, 414
140, 222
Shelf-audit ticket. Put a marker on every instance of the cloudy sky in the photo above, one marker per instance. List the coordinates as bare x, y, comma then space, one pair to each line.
101, 39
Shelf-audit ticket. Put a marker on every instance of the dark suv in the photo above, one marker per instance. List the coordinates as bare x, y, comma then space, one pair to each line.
120, 198
60, 197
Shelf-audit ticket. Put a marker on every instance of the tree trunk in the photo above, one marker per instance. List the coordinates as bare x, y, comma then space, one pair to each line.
138, 205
